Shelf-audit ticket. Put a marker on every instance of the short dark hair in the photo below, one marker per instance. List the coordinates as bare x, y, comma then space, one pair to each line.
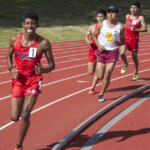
31, 15
136, 3
101, 11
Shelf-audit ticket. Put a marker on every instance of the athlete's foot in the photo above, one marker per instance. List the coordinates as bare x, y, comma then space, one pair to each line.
19, 147
135, 76
101, 98
91, 91
123, 70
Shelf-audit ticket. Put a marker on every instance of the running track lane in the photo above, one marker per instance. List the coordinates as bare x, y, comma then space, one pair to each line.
52, 122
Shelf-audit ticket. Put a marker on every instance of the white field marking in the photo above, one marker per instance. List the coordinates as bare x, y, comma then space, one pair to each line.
78, 59
2, 56
63, 48
141, 36
69, 55
72, 77
72, 52
3, 66
74, 47
84, 50
72, 55
60, 53
53, 71
65, 97
65, 79
82, 81
55, 63
4, 72
75, 60
5, 97
52, 83
5, 82
69, 52
81, 42
82, 46
86, 46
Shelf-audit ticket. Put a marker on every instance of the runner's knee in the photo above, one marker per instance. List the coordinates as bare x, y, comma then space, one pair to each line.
25, 115
99, 76
14, 117
107, 75
90, 72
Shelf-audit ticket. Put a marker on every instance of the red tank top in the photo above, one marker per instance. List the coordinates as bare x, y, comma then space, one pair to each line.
26, 57
91, 36
131, 22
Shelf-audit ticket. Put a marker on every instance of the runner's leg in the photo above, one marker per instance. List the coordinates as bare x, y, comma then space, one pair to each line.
135, 60
108, 70
123, 55
16, 108
29, 103
91, 67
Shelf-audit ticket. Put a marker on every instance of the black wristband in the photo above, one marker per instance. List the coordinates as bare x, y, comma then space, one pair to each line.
9, 69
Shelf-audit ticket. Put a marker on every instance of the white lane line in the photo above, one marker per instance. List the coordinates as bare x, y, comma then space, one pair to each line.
84, 50
67, 47
5, 82
80, 47
57, 81
74, 67
5, 97
74, 60
70, 95
80, 42
55, 63
96, 137
71, 52
53, 71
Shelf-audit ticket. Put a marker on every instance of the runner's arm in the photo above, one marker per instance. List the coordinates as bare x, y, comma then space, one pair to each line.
143, 27
94, 36
122, 38
46, 46
10, 52
13, 70
87, 35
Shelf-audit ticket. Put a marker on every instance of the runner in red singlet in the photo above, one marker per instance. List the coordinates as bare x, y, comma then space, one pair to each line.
135, 23
26, 74
101, 14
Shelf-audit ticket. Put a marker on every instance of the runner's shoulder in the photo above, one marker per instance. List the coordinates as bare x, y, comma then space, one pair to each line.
91, 27
141, 17
14, 38
44, 42
127, 16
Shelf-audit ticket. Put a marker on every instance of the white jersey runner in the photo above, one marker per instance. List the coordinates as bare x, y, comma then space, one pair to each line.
107, 35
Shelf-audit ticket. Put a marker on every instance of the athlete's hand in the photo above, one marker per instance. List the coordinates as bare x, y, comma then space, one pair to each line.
114, 42
38, 69
101, 48
132, 28
90, 42
14, 73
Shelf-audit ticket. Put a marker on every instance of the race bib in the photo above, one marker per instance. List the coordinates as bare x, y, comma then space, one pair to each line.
134, 22
32, 52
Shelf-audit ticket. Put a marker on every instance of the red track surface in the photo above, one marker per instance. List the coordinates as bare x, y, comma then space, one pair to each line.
51, 123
